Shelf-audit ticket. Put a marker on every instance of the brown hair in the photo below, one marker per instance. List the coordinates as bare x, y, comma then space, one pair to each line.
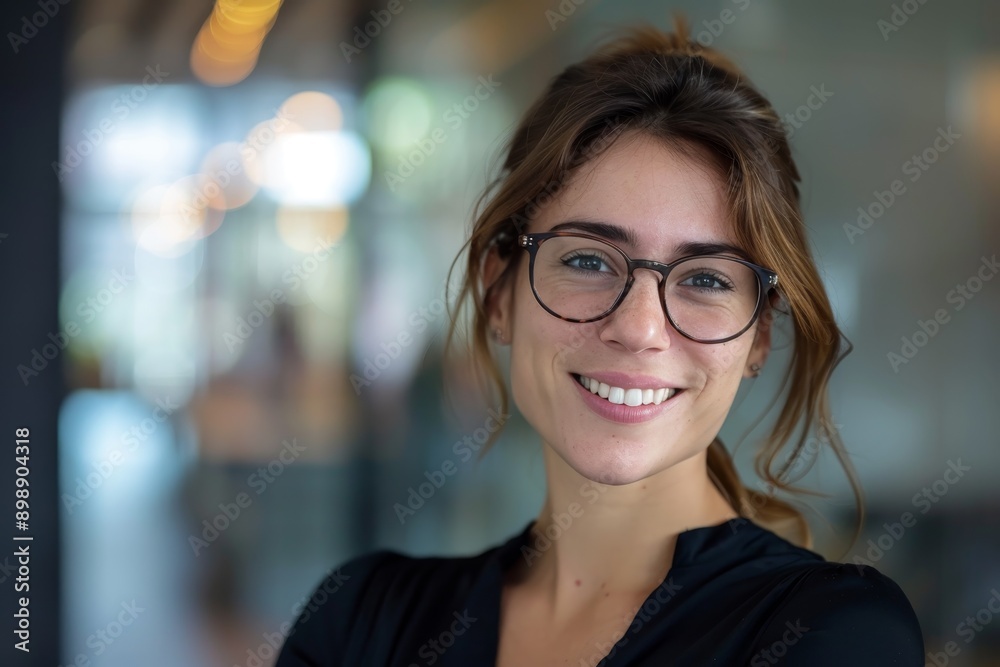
671, 88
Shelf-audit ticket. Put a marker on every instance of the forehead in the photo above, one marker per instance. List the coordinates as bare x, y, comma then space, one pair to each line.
664, 196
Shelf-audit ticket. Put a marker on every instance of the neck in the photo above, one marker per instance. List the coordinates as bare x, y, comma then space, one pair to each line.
598, 542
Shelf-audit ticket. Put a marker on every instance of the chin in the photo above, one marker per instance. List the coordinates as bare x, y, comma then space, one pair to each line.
615, 461
612, 461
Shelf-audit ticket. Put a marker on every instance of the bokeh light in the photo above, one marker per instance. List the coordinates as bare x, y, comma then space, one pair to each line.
223, 166
317, 168
313, 111
226, 49
167, 218
397, 112
259, 141
304, 228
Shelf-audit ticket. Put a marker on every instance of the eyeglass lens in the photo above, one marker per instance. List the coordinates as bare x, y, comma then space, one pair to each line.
708, 298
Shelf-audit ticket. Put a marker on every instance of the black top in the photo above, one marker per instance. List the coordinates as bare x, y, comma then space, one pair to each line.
736, 594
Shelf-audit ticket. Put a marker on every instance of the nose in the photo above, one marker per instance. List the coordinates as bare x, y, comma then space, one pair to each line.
640, 321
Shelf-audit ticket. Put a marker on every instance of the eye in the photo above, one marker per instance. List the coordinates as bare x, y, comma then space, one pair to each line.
587, 262
708, 281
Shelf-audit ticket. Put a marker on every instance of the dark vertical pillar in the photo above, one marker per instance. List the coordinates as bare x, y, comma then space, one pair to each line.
32, 55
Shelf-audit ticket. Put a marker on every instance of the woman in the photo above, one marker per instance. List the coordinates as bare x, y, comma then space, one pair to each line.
644, 231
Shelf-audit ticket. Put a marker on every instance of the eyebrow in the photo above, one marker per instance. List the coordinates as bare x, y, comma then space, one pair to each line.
624, 236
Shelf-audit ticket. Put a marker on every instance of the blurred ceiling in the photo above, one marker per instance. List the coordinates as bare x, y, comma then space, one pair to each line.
118, 39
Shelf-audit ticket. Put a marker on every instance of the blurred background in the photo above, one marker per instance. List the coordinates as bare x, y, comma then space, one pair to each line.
225, 256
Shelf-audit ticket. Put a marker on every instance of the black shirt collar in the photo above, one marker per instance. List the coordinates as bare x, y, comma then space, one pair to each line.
700, 552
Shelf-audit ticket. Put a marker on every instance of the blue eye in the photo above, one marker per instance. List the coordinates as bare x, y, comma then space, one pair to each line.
708, 281
586, 262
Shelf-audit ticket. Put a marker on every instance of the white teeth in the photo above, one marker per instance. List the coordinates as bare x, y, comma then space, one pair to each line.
631, 397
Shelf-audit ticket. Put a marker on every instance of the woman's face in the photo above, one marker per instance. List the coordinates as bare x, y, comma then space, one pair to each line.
665, 200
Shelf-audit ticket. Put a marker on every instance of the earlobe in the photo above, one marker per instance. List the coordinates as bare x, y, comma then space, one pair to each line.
761, 347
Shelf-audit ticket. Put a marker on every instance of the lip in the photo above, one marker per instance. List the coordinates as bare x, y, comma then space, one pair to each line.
624, 414
627, 381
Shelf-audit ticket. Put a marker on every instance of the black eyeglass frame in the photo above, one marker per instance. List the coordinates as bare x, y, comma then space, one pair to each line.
767, 280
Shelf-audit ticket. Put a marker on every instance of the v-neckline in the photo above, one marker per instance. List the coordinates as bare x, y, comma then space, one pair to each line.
691, 547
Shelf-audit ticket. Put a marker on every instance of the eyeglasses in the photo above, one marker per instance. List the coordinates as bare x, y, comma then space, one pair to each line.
583, 278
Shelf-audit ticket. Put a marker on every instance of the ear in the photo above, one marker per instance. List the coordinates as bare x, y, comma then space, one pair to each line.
761, 346
497, 300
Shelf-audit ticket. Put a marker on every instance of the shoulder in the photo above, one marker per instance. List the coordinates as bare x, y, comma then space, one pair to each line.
837, 614
363, 597
324, 620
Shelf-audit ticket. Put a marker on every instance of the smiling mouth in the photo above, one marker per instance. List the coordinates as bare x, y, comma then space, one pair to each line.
631, 397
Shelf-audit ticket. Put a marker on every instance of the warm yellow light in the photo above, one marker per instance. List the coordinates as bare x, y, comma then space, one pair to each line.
305, 229
216, 73
244, 7
228, 40
227, 185
313, 111
185, 207
167, 219
227, 46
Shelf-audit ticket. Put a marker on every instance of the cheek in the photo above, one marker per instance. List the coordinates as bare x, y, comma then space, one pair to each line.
539, 351
724, 360
530, 357
723, 365
523, 384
